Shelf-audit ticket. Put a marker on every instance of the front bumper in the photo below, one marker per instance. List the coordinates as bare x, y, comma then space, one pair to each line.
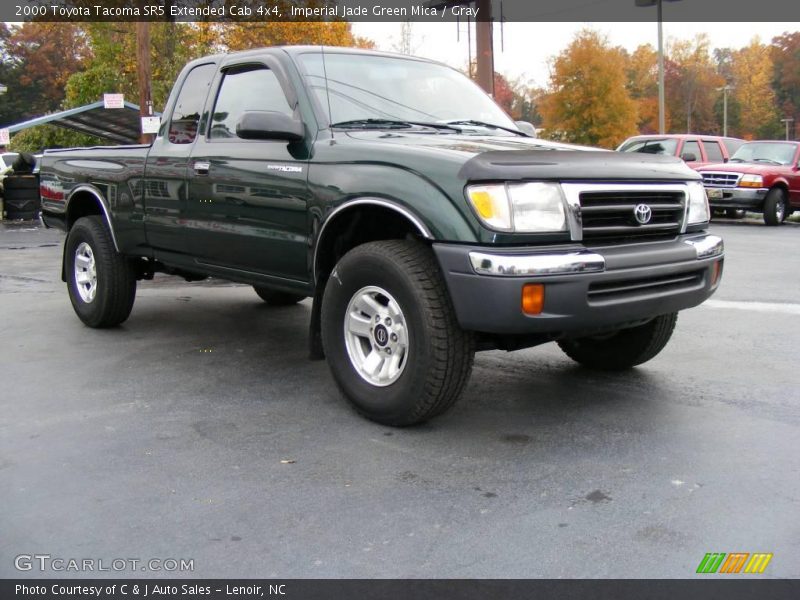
739, 198
586, 289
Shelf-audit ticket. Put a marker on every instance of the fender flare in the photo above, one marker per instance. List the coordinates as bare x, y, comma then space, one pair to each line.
92, 190
412, 218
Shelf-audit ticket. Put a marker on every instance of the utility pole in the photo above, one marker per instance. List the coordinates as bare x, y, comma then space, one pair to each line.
725, 89
787, 120
144, 73
660, 16
485, 45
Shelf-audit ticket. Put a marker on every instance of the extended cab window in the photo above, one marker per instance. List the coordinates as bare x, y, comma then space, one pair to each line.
713, 151
244, 89
186, 115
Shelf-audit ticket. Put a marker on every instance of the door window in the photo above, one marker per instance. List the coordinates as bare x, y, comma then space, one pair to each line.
185, 119
245, 89
692, 147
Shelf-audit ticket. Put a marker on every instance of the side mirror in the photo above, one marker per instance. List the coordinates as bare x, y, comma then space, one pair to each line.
526, 127
689, 156
269, 125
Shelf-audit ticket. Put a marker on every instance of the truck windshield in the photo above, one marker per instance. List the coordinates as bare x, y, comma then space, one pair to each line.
383, 88
766, 152
665, 146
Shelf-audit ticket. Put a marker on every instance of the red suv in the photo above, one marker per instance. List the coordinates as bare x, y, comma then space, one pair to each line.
695, 150
761, 177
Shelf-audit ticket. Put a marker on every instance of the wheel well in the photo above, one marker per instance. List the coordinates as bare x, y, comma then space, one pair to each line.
82, 204
355, 226
782, 186
350, 228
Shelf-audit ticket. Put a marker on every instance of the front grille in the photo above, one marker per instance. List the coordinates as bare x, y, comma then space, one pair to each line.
721, 179
611, 214
628, 289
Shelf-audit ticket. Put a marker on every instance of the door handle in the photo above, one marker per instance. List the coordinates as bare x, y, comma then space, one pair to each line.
201, 168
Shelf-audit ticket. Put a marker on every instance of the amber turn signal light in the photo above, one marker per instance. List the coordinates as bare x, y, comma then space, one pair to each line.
532, 298
716, 271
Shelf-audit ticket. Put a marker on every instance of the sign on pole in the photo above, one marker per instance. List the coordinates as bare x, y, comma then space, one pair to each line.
151, 124
113, 101
5, 137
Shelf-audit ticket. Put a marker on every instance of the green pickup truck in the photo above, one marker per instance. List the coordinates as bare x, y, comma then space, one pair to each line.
391, 190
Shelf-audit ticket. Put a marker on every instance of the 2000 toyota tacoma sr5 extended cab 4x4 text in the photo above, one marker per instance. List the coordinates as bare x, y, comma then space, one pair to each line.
405, 202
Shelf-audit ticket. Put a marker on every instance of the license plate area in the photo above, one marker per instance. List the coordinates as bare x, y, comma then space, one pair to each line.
714, 193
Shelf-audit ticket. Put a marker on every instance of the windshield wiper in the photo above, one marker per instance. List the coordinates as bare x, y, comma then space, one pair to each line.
736, 160
392, 124
487, 125
768, 160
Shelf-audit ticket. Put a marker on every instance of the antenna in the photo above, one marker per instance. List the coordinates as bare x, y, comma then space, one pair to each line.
327, 91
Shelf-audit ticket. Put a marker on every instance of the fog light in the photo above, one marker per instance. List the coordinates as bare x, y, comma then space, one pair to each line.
532, 298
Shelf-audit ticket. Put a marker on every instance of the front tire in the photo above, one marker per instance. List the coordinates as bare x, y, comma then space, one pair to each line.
390, 334
775, 207
101, 282
624, 349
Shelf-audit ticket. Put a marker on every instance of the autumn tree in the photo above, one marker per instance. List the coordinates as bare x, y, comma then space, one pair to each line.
691, 82
243, 35
642, 71
752, 71
588, 101
785, 51
38, 59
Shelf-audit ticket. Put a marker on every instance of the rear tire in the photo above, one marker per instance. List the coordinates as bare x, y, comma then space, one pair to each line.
101, 281
275, 298
390, 334
775, 207
624, 349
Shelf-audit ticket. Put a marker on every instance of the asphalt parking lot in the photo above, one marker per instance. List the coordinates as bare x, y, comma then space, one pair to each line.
199, 430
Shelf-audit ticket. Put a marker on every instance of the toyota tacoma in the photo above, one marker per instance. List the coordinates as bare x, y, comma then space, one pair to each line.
392, 191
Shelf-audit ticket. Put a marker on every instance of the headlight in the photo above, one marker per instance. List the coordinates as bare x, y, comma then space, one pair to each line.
524, 208
751, 181
698, 204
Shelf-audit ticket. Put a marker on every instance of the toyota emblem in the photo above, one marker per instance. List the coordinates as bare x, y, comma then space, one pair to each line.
643, 214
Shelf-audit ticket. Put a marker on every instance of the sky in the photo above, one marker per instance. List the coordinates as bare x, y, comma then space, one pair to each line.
527, 47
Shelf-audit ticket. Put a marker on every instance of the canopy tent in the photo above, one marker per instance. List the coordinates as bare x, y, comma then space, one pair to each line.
119, 125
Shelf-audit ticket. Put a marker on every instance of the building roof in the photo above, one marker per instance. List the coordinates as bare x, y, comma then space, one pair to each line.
120, 125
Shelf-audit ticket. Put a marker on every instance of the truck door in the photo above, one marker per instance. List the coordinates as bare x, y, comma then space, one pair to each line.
167, 162
247, 198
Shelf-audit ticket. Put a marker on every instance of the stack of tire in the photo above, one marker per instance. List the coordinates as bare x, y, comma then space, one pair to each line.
21, 198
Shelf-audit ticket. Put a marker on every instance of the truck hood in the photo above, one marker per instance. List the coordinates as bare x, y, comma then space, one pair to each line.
741, 167
482, 158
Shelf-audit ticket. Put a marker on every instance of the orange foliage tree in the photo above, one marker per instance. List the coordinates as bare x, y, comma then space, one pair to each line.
588, 101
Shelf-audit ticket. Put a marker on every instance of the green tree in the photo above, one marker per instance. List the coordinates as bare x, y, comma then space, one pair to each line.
37, 139
588, 101
112, 66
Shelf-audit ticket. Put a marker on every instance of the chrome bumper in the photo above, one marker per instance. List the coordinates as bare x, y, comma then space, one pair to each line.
566, 263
